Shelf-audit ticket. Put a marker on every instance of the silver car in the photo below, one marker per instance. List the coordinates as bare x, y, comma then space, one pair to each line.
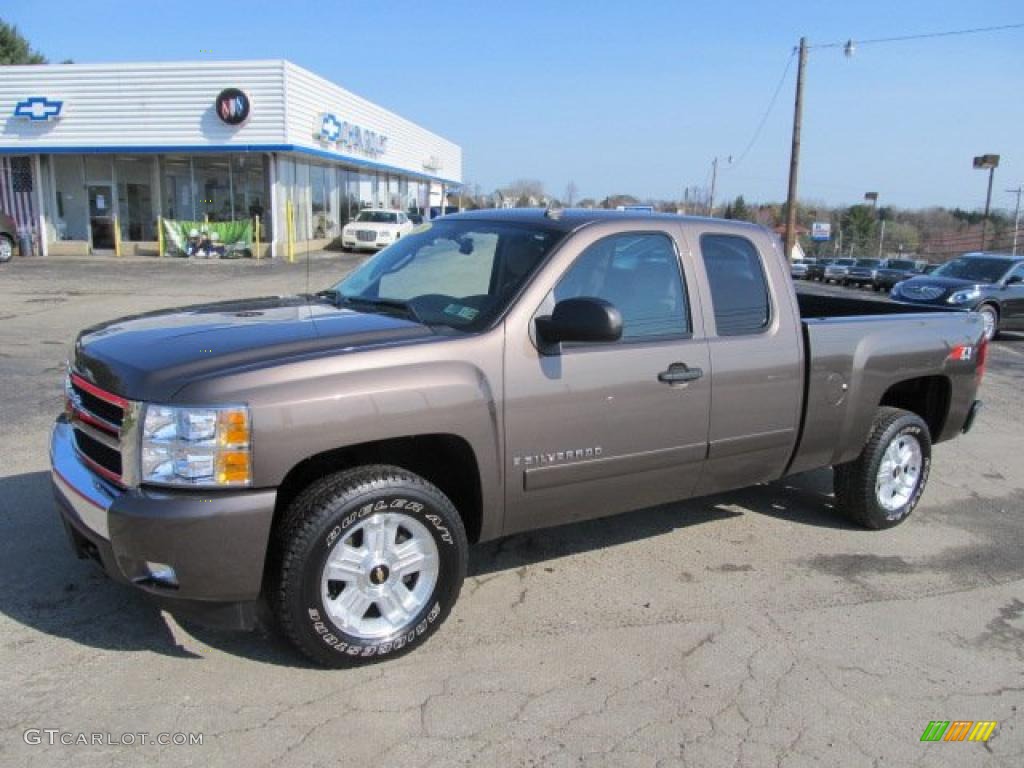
8, 237
838, 270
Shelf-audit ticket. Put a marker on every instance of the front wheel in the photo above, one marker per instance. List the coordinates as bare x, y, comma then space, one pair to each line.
367, 565
880, 488
991, 319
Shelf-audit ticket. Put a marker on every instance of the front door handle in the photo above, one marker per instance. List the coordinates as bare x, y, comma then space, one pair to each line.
680, 373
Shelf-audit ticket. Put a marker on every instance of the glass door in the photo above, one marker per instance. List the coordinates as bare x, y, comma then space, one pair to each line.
101, 215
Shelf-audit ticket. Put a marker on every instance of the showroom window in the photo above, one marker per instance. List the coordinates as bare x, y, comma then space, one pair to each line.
136, 216
212, 188
72, 219
177, 188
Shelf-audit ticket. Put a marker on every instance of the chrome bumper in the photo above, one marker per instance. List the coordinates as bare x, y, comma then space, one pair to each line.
86, 494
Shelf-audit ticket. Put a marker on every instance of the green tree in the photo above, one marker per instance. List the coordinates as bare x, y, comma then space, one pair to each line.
738, 209
14, 48
858, 228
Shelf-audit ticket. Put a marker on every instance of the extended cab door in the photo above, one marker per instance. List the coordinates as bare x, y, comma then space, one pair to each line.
756, 347
599, 428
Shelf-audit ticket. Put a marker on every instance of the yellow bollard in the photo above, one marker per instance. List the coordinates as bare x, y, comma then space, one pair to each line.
160, 236
117, 236
256, 230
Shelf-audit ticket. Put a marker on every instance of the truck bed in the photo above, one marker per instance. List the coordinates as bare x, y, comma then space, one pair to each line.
857, 350
816, 306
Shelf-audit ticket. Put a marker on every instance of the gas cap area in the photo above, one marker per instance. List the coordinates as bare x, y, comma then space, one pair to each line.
835, 389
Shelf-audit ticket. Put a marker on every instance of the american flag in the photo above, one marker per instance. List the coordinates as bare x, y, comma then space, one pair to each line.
16, 198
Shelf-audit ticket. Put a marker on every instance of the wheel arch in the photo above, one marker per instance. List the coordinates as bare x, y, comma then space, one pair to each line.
446, 460
927, 396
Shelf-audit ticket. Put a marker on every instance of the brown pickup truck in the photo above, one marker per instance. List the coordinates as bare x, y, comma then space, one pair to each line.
332, 456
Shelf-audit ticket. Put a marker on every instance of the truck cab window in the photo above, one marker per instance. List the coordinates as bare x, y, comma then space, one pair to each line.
639, 274
739, 292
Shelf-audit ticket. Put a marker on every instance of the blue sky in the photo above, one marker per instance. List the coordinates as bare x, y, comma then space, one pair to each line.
635, 96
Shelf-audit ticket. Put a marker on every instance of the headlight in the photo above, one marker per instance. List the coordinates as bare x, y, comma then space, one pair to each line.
964, 296
896, 289
196, 446
383, 235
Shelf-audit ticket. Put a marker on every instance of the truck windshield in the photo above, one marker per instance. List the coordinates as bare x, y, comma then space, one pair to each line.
378, 217
899, 264
980, 270
455, 273
870, 263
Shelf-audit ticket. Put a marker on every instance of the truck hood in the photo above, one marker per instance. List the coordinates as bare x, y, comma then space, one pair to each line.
931, 288
152, 356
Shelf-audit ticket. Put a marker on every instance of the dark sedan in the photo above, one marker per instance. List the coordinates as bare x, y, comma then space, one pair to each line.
893, 271
816, 271
863, 272
989, 283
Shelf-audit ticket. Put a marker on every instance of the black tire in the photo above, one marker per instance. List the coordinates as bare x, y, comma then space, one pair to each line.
855, 481
6, 248
317, 520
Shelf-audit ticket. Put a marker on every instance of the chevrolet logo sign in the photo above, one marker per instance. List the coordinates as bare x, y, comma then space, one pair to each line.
38, 108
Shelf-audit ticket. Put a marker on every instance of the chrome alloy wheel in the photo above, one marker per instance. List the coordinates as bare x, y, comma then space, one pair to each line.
988, 316
899, 473
378, 578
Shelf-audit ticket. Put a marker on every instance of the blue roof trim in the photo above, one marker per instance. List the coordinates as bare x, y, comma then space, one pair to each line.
207, 148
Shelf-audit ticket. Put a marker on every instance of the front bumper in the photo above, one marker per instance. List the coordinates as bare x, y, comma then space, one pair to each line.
215, 541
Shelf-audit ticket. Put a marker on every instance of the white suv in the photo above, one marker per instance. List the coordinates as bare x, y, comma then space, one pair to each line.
375, 228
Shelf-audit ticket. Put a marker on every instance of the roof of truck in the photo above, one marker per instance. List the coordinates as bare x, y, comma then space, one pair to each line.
568, 219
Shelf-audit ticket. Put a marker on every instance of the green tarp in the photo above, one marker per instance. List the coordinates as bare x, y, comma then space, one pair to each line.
208, 239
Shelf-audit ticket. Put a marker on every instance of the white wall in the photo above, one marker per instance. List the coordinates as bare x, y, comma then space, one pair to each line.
170, 104
137, 105
409, 146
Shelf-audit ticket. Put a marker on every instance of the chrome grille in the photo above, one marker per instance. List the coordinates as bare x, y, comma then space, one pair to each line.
97, 417
923, 292
366, 235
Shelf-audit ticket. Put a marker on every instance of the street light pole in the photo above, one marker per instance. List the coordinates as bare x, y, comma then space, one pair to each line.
989, 163
794, 156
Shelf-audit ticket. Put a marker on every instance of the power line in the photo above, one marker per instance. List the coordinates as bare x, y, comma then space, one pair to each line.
924, 36
768, 110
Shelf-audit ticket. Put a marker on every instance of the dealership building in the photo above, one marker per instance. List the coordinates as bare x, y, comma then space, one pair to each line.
93, 156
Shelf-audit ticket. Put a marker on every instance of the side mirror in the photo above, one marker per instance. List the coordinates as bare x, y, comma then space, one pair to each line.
580, 319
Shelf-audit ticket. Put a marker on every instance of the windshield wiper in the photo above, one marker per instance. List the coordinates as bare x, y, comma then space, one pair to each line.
375, 302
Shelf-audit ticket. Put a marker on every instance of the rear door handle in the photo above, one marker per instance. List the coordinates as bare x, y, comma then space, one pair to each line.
680, 373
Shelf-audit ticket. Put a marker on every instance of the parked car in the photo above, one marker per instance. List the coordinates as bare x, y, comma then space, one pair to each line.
480, 378
927, 269
798, 269
8, 237
862, 272
816, 271
375, 228
892, 271
991, 284
837, 271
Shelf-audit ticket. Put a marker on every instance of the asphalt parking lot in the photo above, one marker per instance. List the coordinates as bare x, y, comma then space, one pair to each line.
754, 628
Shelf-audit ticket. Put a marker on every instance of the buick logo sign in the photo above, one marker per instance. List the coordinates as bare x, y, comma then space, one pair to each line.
232, 106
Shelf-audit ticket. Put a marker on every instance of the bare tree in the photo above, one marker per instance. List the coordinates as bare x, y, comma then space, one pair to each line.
571, 192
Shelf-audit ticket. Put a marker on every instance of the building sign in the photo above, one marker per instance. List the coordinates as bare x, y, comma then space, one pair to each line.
349, 137
232, 106
39, 108
821, 230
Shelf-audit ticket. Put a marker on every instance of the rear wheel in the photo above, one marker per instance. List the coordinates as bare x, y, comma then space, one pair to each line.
881, 487
367, 565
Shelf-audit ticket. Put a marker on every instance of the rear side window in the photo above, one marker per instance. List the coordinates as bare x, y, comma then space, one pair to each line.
739, 292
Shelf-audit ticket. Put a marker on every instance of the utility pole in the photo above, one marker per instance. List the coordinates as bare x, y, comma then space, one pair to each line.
714, 183
794, 156
1016, 216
